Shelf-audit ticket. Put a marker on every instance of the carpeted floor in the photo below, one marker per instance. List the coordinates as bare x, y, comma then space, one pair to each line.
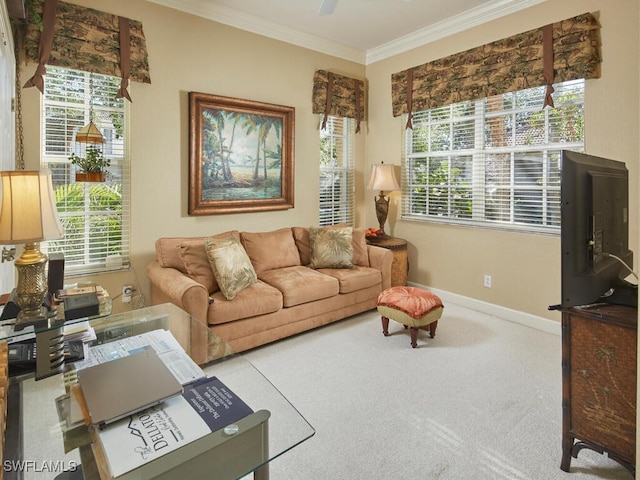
482, 400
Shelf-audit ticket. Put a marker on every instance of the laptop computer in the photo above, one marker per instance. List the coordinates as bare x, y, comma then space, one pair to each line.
121, 387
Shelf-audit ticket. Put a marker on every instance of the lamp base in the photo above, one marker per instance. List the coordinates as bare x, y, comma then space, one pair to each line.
38, 317
31, 288
382, 210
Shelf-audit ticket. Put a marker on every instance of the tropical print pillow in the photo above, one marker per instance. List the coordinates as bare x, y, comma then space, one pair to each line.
230, 264
331, 247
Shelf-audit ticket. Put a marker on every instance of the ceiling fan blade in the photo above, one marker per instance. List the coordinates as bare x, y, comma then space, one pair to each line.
327, 7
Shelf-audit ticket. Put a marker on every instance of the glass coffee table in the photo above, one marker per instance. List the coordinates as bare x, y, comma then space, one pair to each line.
46, 446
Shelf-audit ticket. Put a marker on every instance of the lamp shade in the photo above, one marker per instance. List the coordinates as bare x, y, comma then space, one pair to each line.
89, 134
383, 178
28, 212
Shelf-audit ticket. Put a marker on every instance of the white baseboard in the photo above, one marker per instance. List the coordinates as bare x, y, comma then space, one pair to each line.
509, 314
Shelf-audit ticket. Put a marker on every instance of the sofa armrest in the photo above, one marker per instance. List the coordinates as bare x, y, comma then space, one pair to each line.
171, 285
381, 259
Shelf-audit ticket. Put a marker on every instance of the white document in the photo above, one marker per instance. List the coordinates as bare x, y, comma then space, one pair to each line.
164, 344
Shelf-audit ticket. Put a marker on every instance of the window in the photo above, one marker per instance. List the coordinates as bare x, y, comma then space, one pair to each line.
95, 216
493, 162
337, 189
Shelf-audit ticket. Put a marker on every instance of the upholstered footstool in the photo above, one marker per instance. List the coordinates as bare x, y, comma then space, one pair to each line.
413, 307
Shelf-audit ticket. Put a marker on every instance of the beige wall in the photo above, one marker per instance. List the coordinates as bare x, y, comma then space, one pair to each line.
187, 53
525, 268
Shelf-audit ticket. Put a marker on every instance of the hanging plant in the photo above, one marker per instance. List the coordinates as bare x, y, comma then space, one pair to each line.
92, 166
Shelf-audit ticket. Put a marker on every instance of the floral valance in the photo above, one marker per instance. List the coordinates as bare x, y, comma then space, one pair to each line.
86, 39
338, 95
570, 48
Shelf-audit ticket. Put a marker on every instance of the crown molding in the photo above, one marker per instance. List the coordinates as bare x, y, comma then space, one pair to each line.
254, 24
248, 22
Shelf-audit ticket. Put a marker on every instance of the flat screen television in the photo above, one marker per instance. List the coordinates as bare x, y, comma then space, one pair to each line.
595, 231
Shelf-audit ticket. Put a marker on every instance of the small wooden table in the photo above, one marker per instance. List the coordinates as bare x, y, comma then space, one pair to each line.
400, 265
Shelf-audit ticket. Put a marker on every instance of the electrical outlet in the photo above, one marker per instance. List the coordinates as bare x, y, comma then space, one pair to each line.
487, 281
127, 290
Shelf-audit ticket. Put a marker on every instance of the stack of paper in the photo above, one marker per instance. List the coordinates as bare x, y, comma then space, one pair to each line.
81, 331
164, 344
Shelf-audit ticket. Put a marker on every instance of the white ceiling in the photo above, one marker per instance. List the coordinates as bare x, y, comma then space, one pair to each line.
364, 31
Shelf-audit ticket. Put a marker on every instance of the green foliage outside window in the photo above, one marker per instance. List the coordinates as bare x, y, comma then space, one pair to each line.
104, 226
495, 159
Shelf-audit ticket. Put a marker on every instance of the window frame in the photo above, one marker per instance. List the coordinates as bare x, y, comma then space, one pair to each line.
105, 202
343, 168
478, 152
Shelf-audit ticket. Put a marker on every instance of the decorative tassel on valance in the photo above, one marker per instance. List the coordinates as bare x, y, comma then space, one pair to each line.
125, 57
547, 63
565, 50
338, 95
44, 45
89, 40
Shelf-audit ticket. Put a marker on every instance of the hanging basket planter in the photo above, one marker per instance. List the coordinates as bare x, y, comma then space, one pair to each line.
92, 167
89, 176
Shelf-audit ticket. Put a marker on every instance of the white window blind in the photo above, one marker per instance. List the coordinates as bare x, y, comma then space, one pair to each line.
95, 216
337, 190
493, 162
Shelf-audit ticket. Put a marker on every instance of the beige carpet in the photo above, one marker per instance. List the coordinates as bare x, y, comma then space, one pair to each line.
482, 400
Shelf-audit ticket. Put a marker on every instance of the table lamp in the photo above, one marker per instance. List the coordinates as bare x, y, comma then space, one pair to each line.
28, 215
383, 178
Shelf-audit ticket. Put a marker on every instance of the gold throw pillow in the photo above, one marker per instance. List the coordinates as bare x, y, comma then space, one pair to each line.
331, 247
230, 264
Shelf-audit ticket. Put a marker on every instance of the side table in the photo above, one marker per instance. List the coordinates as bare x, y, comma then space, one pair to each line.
400, 265
599, 377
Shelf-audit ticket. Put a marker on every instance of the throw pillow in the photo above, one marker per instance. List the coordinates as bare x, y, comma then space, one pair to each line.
360, 251
359, 244
331, 247
196, 262
230, 264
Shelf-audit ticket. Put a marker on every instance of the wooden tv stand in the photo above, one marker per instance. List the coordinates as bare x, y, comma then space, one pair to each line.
599, 349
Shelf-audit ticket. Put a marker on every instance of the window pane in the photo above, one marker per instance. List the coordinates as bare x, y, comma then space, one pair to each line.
507, 171
336, 196
94, 215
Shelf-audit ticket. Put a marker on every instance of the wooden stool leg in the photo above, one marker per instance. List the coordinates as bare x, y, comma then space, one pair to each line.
432, 329
385, 326
414, 337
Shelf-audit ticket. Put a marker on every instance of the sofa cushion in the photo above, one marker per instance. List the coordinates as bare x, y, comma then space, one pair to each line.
360, 251
354, 279
195, 261
257, 299
331, 247
168, 254
269, 250
300, 284
231, 265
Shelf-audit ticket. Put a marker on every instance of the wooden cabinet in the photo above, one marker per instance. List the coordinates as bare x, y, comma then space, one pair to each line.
599, 349
400, 265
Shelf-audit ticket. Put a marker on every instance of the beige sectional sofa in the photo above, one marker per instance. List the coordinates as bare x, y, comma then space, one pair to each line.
288, 297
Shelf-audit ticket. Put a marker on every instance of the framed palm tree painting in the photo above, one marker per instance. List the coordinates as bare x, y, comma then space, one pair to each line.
240, 155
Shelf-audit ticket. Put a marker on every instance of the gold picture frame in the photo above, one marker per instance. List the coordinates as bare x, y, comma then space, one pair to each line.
241, 155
